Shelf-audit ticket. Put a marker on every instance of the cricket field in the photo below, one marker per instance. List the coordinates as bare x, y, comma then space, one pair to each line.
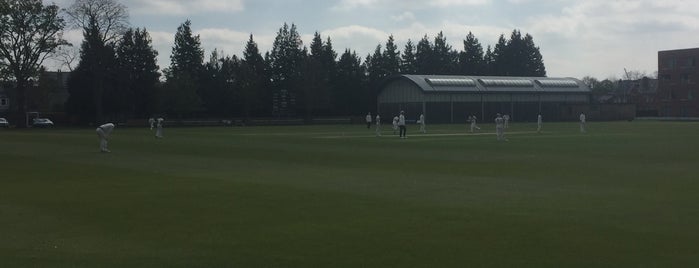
624, 194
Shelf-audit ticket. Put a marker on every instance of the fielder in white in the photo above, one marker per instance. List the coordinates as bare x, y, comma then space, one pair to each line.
401, 125
103, 132
500, 127
368, 121
422, 123
159, 128
473, 123
378, 125
395, 124
151, 121
582, 122
507, 120
539, 123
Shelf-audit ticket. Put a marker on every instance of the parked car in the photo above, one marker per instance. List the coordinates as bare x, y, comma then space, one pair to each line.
42, 122
4, 123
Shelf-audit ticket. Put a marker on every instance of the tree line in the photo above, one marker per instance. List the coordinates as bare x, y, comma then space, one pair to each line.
117, 76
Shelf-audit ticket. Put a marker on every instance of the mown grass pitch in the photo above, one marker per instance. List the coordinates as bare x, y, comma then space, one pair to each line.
626, 194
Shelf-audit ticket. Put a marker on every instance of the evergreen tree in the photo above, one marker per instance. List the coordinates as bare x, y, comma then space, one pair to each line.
488, 62
352, 95
471, 60
219, 84
424, 58
315, 88
408, 61
391, 58
92, 86
254, 96
181, 90
187, 55
444, 57
138, 71
535, 63
286, 59
500, 62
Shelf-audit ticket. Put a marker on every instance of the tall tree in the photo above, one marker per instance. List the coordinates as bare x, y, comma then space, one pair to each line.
187, 60
444, 57
488, 62
352, 93
103, 22
500, 61
29, 33
535, 62
471, 59
424, 56
391, 57
187, 55
285, 61
254, 93
138, 71
94, 80
316, 78
219, 84
408, 61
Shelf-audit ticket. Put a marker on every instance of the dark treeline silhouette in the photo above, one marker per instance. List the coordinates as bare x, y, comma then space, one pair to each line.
290, 80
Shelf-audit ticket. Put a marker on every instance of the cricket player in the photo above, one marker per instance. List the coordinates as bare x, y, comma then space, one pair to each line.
151, 121
500, 127
401, 125
473, 123
507, 120
368, 121
159, 128
538, 123
422, 123
395, 124
582, 122
378, 125
103, 132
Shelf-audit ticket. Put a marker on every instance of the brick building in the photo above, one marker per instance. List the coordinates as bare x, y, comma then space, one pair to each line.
678, 83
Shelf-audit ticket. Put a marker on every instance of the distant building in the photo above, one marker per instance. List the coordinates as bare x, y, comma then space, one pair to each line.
678, 83
642, 92
450, 99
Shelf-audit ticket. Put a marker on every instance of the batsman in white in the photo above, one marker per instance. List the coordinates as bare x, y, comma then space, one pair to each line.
151, 121
378, 125
582, 122
507, 120
103, 132
539, 123
159, 128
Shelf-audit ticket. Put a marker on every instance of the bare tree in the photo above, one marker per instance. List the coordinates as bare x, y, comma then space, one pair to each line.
66, 56
29, 33
110, 17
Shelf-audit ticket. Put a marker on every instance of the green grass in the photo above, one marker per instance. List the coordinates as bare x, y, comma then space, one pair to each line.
625, 194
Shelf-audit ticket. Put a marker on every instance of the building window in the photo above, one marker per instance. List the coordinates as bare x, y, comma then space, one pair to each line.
670, 63
684, 78
3, 102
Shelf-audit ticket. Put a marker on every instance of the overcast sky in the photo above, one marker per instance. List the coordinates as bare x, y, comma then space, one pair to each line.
577, 38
